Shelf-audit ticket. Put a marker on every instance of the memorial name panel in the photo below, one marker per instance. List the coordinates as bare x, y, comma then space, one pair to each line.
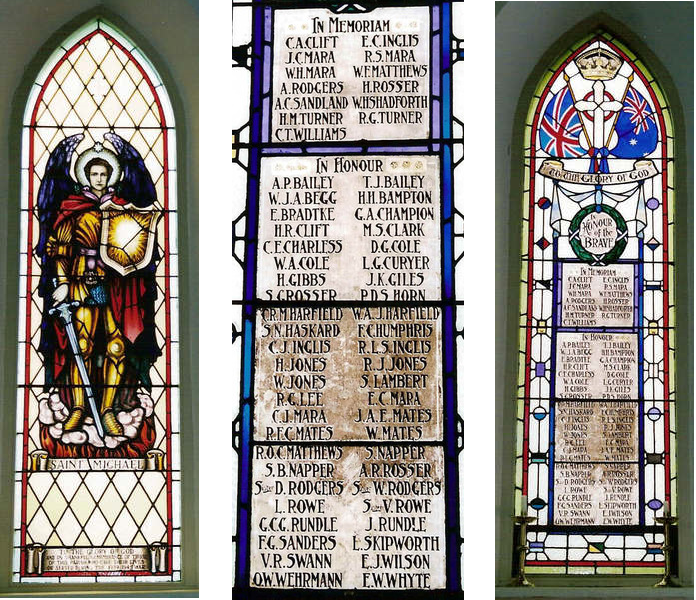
348, 373
334, 516
597, 296
596, 429
347, 464
349, 228
596, 494
601, 366
350, 77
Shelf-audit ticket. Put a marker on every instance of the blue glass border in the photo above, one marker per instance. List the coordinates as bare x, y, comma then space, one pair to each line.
244, 474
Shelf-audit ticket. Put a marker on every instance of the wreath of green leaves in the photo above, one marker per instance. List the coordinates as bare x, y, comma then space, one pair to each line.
598, 259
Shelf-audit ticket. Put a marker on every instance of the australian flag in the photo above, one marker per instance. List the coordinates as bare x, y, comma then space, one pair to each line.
559, 132
636, 127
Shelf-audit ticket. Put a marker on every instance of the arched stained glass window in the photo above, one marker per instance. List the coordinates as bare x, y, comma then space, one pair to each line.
596, 469
97, 451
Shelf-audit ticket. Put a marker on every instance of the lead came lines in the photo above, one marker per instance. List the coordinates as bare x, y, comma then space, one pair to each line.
367, 230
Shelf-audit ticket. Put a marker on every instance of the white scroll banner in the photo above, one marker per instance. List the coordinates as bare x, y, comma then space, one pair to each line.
642, 169
40, 461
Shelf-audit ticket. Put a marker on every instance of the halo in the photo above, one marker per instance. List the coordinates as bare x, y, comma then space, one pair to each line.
97, 151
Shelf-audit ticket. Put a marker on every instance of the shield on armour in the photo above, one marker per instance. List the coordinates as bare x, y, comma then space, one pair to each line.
127, 236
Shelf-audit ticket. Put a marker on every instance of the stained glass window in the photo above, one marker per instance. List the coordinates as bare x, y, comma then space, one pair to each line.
596, 468
97, 447
348, 433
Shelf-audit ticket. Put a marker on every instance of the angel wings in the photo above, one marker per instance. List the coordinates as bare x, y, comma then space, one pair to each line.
130, 179
135, 185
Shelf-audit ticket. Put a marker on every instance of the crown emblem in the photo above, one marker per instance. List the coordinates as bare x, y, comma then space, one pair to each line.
598, 64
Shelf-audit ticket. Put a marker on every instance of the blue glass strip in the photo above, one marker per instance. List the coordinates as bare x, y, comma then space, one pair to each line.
248, 357
243, 531
436, 118
447, 239
242, 548
256, 121
436, 65
267, 71
447, 182
452, 499
268, 24
451, 486
450, 423
355, 150
250, 266
281, 151
266, 112
446, 35
245, 451
449, 339
447, 264
446, 107
399, 149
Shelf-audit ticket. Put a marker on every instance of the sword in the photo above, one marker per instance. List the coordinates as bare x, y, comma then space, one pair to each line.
63, 311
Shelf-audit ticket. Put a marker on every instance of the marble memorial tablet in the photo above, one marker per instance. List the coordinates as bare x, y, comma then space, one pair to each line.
596, 431
596, 494
597, 365
598, 296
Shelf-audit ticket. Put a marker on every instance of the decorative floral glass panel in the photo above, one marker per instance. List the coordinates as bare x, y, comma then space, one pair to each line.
97, 454
596, 420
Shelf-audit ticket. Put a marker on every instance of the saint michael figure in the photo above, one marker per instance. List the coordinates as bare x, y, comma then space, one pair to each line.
97, 251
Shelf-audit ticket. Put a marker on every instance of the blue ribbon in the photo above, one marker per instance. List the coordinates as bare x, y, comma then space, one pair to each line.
599, 163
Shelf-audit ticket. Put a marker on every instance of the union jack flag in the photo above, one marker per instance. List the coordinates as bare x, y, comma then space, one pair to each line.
560, 128
638, 111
